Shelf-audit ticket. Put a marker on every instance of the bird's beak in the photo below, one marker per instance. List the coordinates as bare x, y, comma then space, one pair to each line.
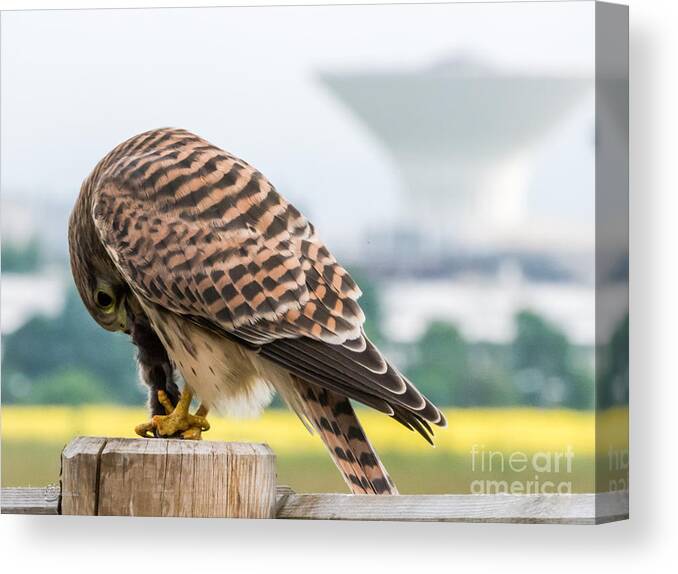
121, 315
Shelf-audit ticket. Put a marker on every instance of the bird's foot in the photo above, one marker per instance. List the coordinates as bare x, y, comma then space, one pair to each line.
178, 422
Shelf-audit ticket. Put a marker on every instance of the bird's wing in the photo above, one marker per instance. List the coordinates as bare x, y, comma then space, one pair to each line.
355, 369
205, 235
208, 237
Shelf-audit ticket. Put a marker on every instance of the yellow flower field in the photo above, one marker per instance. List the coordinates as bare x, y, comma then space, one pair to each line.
33, 436
499, 429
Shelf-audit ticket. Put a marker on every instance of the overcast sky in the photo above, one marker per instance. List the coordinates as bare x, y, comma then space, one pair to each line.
76, 83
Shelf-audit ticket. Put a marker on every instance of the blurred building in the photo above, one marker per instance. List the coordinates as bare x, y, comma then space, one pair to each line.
464, 138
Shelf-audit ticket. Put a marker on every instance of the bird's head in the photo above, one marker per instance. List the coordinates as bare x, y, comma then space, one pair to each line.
102, 289
107, 303
104, 295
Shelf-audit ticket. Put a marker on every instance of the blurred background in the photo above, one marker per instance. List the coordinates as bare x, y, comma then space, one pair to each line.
445, 154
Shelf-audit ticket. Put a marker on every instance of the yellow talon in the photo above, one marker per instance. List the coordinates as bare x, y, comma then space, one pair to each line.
178, 421
144, 430
163, 399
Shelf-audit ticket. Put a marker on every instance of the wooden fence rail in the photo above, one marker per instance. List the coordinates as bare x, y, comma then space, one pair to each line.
136, 477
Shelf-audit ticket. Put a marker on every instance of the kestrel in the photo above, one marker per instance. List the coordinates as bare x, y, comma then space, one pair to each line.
195, 255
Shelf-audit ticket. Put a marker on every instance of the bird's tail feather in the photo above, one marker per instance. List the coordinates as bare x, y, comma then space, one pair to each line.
334, 419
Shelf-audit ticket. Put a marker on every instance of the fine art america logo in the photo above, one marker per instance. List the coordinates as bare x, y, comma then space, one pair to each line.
544, 472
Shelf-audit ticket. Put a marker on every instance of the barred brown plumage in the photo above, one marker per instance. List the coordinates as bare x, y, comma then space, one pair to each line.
197, 247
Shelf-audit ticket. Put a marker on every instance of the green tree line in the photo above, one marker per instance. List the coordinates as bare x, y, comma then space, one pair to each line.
71, 360
21, 257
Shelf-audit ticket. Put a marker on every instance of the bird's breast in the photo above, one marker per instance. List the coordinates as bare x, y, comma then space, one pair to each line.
223, 374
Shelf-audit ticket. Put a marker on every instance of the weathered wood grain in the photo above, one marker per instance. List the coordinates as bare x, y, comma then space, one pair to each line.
132, 477
159, 477
31, 500
45, 500
524, 508
442, 508
80, 475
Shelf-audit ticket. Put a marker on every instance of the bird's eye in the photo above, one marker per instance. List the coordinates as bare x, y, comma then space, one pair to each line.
104, 300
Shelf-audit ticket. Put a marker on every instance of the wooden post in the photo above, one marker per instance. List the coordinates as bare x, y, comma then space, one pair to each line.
160, 477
